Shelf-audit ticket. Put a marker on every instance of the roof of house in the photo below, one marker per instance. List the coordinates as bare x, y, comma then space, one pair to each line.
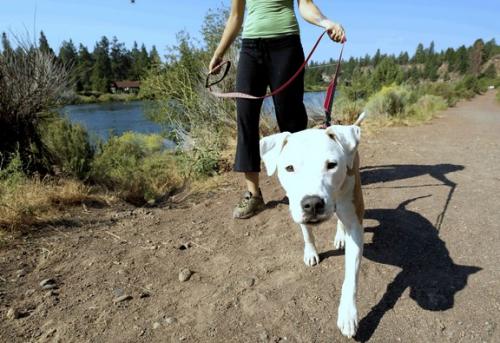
127, 84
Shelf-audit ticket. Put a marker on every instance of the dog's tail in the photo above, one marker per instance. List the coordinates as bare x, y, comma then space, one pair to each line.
360, 119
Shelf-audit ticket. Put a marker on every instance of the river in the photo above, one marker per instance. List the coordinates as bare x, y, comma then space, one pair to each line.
118, 117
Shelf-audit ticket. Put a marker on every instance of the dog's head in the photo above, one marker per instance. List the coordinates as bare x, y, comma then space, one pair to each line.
312, 166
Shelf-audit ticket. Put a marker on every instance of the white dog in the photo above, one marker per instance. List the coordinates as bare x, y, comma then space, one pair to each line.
319, 170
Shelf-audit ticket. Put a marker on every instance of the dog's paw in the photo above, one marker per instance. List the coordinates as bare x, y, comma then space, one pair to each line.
311, 257
348, 320
339, 241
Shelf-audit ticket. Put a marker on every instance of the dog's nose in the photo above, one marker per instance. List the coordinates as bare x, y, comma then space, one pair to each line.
313, 205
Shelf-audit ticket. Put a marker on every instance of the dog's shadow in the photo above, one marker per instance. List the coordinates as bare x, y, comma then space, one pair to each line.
409, 241
406, 239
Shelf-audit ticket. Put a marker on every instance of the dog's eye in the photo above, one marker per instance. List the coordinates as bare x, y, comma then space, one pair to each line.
289, 168
331, 165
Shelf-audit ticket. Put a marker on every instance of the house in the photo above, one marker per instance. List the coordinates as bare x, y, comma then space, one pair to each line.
125, 86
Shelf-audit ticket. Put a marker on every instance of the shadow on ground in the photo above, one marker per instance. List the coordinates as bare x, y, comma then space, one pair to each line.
406, 239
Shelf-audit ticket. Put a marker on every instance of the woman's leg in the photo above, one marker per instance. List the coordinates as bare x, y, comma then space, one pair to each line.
251, 78
285, 58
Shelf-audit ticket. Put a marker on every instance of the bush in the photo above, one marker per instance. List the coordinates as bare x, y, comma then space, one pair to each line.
446, 90
390, 101
137, 167
468, 87
31, 82
203, 156
68, 147
425, 107
11, 174
346, 111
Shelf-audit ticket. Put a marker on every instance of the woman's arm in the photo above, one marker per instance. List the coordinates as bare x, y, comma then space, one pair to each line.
311, 13
233, 26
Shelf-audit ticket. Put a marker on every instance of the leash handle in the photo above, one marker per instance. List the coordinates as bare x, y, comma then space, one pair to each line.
209, 84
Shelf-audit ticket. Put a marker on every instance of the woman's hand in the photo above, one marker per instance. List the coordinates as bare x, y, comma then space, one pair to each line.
214, 63
335, 31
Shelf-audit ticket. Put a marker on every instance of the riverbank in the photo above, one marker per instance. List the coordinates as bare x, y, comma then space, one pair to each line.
100, 98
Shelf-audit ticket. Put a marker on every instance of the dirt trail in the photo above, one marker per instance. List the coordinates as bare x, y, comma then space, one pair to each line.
431, 271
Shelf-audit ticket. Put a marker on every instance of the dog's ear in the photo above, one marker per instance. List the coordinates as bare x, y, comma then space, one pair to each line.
348, 137
270, 149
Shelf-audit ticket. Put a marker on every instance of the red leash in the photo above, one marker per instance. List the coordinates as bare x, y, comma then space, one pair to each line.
330, 93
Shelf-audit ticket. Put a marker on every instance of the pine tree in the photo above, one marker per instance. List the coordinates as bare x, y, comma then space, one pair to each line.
403, 58
143, 61
6, 47
101, 72
376, 59
120, 60
68, 54
154, 56
69, 59
462, 60
84, 69
476, 57
135, 70
43, 44
419, 56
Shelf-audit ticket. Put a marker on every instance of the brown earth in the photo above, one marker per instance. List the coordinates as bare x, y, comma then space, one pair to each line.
431, 271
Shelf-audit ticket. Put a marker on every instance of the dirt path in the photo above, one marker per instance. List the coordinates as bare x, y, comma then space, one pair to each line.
431, 271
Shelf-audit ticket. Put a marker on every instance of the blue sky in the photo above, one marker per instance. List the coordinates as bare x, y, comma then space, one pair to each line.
390, 25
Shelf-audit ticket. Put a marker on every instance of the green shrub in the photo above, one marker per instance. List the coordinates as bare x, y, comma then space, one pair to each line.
390, 101
203, 157
11, 174
445, 90
468, 87
137, 167
68, 147
345, 110
425, 107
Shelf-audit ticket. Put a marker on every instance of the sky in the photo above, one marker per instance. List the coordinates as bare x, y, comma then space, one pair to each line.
389, 25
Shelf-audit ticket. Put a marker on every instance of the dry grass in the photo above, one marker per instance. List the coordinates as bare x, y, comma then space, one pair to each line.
34, 202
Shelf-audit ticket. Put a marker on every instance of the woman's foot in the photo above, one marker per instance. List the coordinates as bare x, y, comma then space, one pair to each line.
249, 206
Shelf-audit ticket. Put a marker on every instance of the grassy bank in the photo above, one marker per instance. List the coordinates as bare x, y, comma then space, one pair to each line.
98, 98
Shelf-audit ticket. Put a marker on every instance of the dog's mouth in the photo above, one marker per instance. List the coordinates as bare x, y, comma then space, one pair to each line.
315, 220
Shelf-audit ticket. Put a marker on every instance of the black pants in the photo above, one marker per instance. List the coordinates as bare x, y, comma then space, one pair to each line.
267, 62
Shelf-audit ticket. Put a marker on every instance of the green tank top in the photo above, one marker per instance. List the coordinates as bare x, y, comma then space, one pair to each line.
269, 18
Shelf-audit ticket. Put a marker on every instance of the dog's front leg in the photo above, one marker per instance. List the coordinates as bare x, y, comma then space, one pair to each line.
310, 254
348, 314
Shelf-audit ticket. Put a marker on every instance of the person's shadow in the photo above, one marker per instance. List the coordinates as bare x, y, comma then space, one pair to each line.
406, 239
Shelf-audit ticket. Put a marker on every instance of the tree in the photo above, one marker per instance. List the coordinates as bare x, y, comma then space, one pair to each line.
120, 60
419, 56
144, 62
376, 59
6, 47
135, 70
386, 72
154, 56
403, 58
476, 57
68, 56
213, 27
462, 60
101, 72
43, 45
84, 69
